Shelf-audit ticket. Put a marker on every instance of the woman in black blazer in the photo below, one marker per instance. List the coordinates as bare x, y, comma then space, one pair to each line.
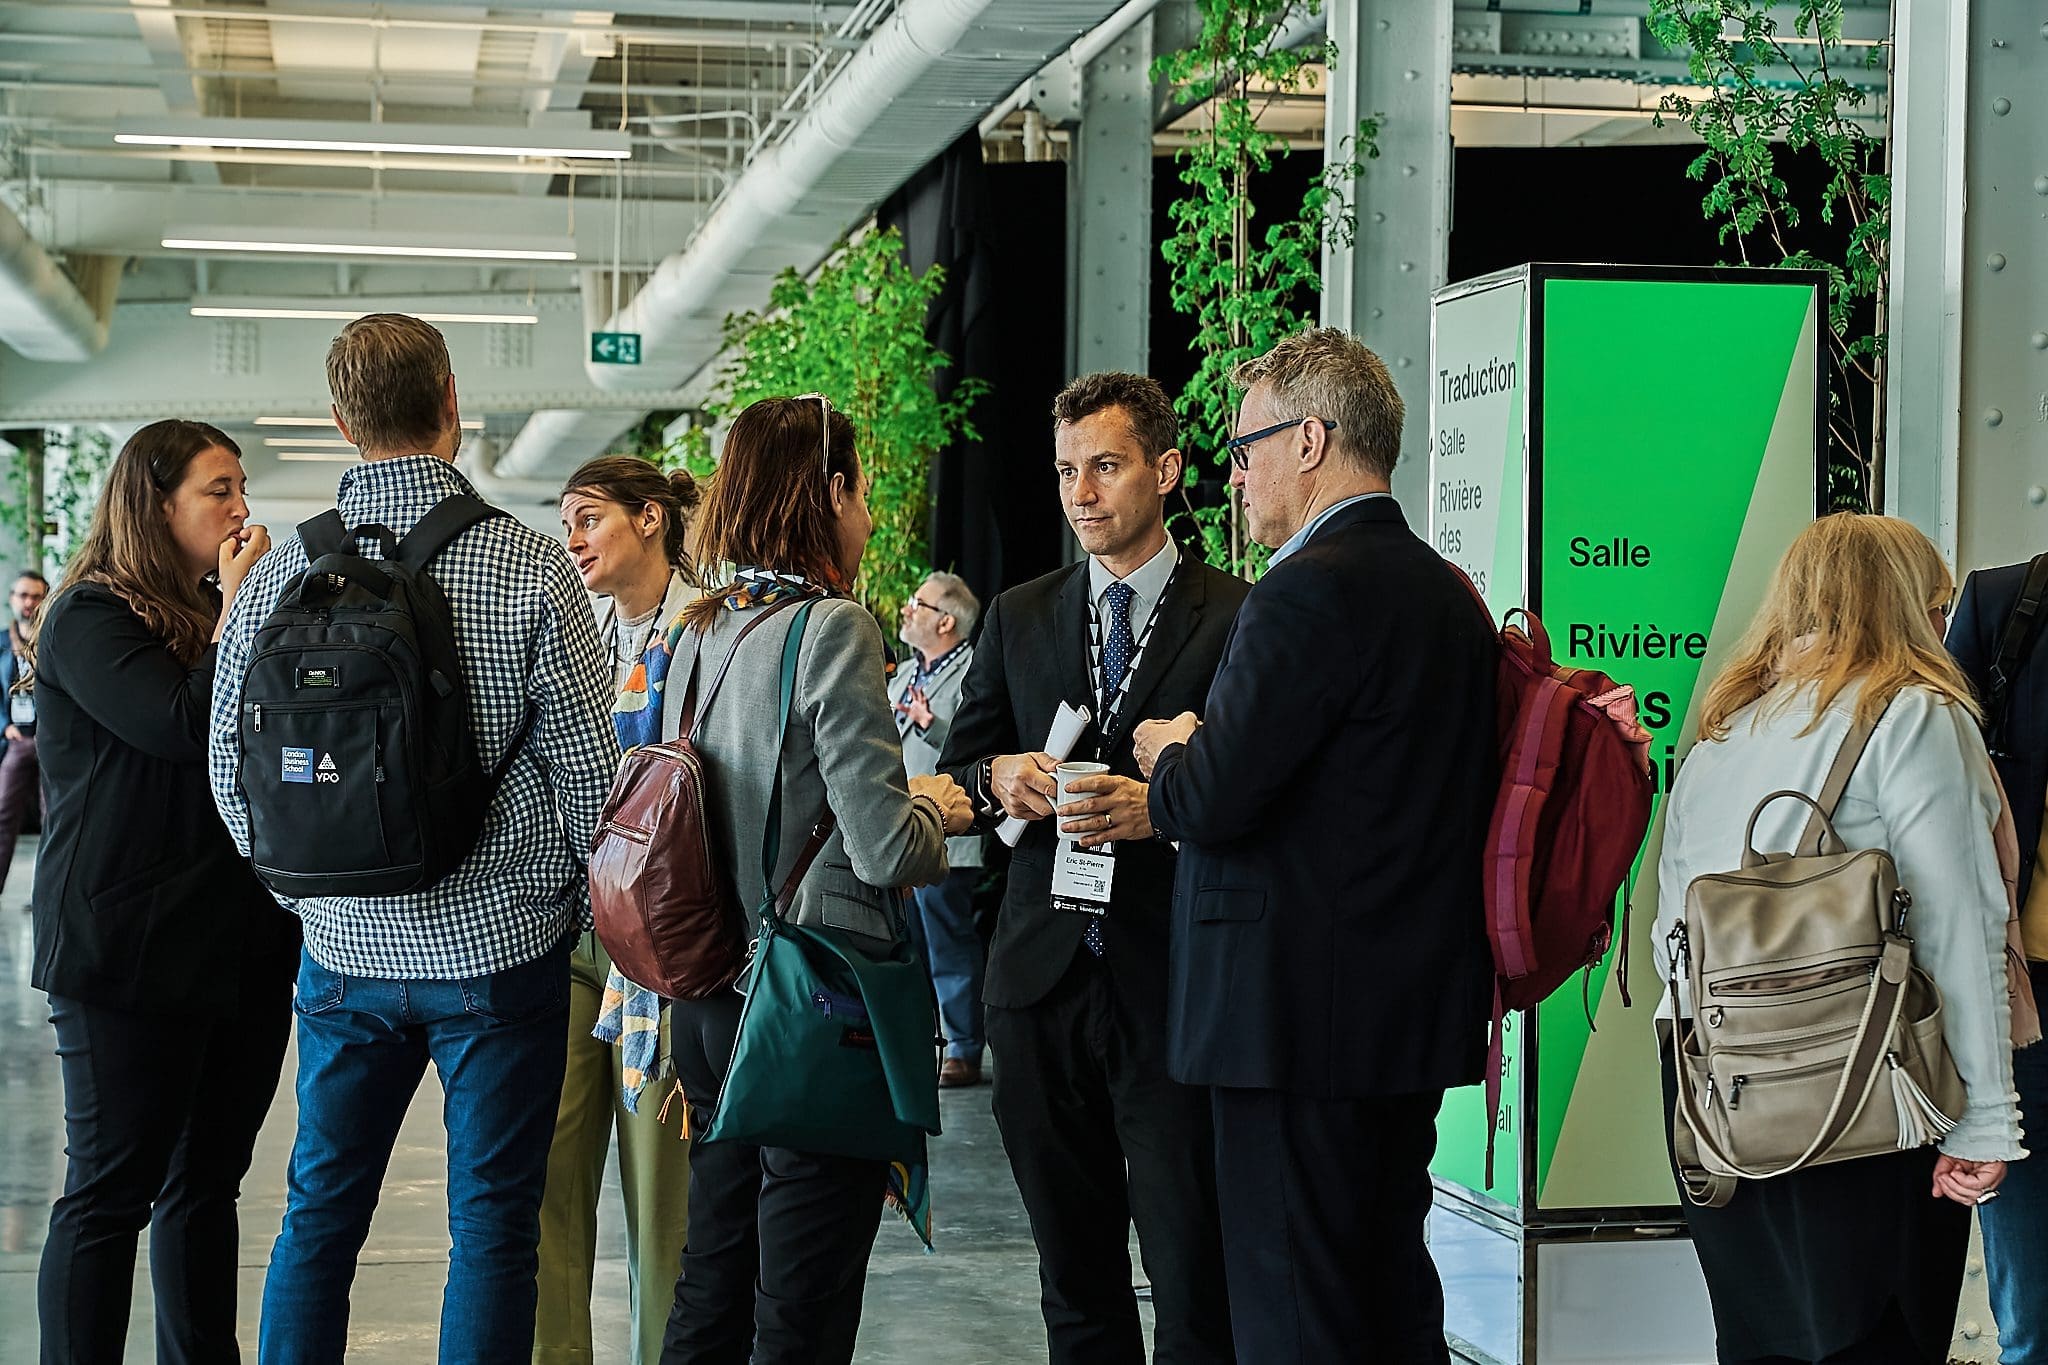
168, 966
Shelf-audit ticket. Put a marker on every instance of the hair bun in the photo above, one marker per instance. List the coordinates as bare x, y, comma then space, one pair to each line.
686, 487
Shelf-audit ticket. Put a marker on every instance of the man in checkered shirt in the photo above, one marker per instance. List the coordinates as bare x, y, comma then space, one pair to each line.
473, 973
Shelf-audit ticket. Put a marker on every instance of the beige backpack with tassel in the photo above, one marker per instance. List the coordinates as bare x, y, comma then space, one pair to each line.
1807, 1010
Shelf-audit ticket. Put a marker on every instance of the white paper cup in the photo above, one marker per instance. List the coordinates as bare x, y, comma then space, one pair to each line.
1065, 773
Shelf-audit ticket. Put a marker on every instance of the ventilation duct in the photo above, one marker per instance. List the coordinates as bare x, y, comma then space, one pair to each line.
42, 313
926, 75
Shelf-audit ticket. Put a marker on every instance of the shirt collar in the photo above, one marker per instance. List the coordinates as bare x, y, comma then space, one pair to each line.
1146, 581
397, 483
1301, 537
931, 668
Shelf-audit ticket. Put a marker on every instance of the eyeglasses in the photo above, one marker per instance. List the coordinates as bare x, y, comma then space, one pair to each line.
914, 603
1240, 447
824, 431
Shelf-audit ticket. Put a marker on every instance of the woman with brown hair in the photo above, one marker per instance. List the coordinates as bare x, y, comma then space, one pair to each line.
779, 1239
627, 526
1858, 1260
168, 966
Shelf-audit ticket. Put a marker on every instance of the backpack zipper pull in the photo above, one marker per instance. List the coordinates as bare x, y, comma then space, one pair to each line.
256, 717
1735, 1091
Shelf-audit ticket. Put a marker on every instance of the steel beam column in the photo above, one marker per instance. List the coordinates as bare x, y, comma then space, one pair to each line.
1109, 210
1394, 63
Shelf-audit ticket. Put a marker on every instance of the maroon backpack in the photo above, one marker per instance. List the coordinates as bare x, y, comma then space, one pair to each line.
1569, 819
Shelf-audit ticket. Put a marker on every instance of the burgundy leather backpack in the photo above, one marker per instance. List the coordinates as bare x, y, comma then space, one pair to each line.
664, 908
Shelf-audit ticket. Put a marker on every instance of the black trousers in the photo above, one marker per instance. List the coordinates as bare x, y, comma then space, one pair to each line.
1098, 1137
160, 1117
776, 1259
1324, 1203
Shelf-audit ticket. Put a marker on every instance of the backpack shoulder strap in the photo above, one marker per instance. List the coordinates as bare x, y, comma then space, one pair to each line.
1837, 781
702, 703
777, 910
447, 519
2014, 637
326, 534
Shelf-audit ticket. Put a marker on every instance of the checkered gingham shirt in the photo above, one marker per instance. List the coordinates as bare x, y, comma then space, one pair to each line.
524, 631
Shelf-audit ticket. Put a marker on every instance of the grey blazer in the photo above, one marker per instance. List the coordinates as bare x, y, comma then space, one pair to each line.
921, 748
841, 747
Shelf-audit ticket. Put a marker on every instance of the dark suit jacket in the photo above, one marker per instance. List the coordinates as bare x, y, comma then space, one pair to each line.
141, 901
1987, 599
1328, 928
1031, 655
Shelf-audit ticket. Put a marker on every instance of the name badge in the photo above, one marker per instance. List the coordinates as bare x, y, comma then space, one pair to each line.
21, 709
1081, 879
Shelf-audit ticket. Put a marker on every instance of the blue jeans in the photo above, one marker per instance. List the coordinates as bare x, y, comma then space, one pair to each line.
2016, 1223
943, 929
499, 1043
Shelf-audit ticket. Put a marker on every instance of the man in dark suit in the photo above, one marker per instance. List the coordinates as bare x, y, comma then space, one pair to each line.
1097, 1135
1330, 971
2016, 1223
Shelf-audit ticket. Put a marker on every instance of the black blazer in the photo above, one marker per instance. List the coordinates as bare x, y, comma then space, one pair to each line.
1987, 599
1031, 655
141, 901
1328, 925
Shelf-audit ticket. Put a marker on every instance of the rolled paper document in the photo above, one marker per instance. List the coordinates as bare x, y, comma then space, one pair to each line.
1067, 724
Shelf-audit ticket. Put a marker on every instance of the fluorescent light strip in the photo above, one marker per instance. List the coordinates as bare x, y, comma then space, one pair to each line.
317, 144
328, 443
318, 456
346, 315
327, 423
468, 253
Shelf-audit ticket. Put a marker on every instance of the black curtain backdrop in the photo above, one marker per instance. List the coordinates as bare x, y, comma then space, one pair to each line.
1000, 233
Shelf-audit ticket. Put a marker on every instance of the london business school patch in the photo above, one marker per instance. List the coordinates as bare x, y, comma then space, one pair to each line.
298, 765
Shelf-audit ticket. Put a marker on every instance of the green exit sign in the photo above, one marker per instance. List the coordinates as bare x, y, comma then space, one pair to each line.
615, 348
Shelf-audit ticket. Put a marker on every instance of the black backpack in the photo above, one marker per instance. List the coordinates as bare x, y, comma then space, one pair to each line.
358, 763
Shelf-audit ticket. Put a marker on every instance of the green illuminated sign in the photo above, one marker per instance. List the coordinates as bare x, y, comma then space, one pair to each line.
1626, 452
615, 348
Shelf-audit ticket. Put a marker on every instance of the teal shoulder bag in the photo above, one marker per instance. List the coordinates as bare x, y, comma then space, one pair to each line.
836, 1050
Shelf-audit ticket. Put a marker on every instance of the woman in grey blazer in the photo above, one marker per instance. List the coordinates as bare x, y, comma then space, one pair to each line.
778, 1244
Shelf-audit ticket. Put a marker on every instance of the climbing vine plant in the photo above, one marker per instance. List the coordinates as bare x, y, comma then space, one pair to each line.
1248, 274
1779, 93
855, 331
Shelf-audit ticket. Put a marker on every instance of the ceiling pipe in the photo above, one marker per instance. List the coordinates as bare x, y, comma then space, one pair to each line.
899, 55
887, 66
43, 315
778, 186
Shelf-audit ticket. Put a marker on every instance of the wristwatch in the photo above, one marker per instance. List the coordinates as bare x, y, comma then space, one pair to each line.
984, 793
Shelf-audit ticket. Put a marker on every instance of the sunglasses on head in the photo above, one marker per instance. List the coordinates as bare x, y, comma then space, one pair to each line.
824, 430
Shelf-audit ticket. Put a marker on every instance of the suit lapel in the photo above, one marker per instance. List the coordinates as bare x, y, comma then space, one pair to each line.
1178, 616
1070, 627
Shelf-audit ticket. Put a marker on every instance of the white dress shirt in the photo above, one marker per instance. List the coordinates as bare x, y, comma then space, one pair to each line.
1147, 582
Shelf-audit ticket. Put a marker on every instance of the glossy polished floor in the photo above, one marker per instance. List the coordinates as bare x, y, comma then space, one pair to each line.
974, 1303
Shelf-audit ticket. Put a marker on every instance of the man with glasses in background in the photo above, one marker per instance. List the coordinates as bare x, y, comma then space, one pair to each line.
20, 775
1097, 1134
1331, 977
937, 622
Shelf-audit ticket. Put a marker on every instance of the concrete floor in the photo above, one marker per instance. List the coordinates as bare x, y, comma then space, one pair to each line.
973, 1303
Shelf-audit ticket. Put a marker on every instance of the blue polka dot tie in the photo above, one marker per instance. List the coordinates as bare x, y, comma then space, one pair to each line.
1117, 647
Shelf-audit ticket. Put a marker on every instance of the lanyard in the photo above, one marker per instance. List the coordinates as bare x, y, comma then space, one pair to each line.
922, 675
1107, 711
